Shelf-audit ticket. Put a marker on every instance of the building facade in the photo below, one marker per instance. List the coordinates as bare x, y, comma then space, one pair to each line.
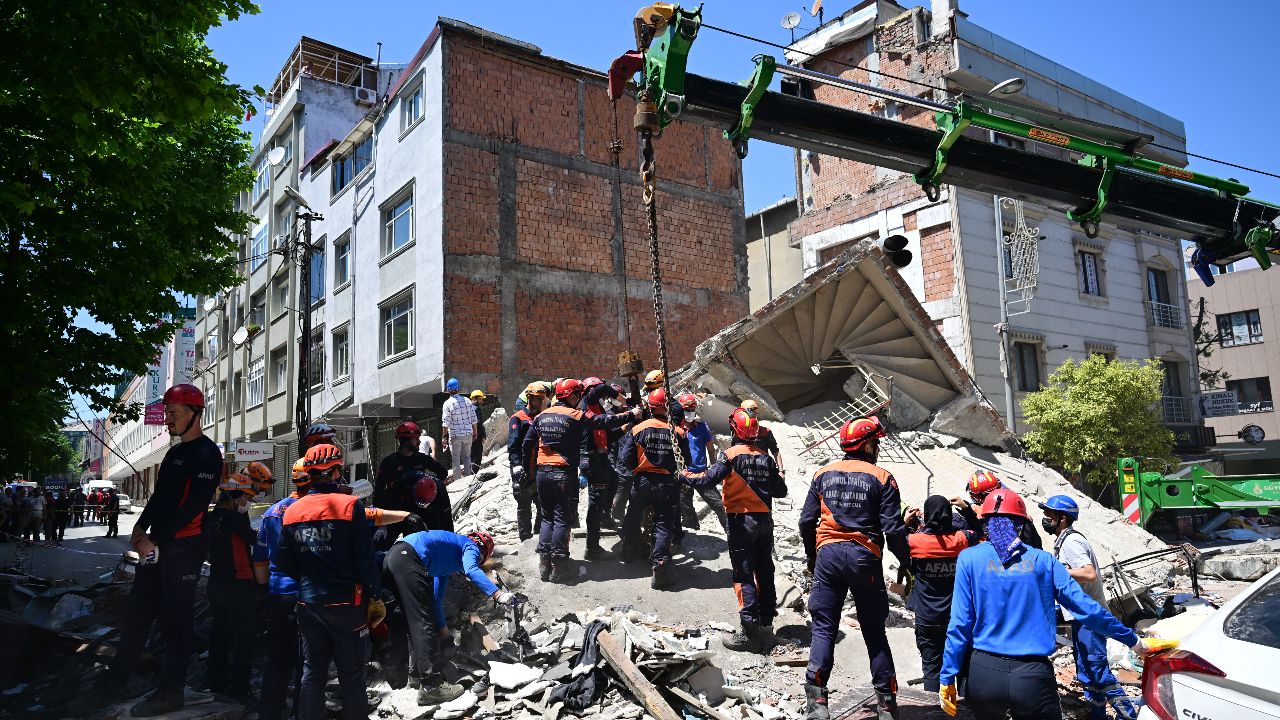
773, 262
475, 225
1121, 294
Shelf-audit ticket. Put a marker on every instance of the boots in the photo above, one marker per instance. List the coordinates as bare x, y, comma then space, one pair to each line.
595, 552
435, 690
660, 578
544, 567
816, 703
743, 639
886, 706
559, 570
166, 699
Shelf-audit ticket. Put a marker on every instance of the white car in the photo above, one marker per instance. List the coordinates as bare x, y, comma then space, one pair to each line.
1226, 668
126, 505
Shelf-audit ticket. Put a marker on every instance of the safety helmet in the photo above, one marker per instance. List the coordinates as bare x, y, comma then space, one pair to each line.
567, 387
238, 482
655, 379
260, 474
657, 400
323, 457
423, 486
408, 430
536, 388
485, 541
300, 476
184, 394
477, 395
453, 385
618, 389
750, 406
856, 432
982, 482
1003, 501
1062, 504
591, 382
319, 433
688, 401
743, 425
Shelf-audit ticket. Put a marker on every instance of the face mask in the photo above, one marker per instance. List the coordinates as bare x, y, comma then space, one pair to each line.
691, 416
1048, 525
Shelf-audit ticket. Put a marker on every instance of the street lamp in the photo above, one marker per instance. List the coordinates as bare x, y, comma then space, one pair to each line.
1012, 86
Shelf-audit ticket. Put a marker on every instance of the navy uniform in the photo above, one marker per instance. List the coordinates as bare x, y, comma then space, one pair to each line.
646, 453
523, 485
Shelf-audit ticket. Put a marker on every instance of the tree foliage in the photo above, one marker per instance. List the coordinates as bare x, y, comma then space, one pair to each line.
1093, 412
1207, 339
120, 160
43, 449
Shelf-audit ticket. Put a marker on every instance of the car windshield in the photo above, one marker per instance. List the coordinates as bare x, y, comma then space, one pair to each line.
1257, 619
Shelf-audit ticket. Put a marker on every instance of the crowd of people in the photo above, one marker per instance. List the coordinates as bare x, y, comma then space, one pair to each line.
331, 579
29, 514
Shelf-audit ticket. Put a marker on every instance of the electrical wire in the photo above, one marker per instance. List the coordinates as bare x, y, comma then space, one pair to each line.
1215, 160
102, 440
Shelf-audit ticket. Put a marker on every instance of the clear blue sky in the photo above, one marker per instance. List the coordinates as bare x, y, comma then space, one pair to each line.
1197, 61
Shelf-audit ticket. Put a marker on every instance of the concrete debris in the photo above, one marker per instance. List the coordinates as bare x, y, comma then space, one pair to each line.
1241, 567
512, 676
457, 707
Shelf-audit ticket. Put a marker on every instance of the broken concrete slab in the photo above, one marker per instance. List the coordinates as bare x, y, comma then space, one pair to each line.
1240, 567
512, 676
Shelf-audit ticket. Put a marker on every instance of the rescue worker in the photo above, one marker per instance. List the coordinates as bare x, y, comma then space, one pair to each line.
1073, 550
750, 483
111, 509
327, 548
233, 587
552, 452
319, 433
390, 495
170, 541
602, 479
1003, 611
523, 485
420, 565
981, 484
702, 447
934, 550
654, 380
623, 492
478, 399
646, 454
767, 441
849, 517
62, 514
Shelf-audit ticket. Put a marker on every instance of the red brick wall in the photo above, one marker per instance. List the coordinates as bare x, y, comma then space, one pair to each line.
937, 258
531, 290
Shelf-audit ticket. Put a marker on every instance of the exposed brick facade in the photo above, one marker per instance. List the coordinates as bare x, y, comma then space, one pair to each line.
543, 236
937, 256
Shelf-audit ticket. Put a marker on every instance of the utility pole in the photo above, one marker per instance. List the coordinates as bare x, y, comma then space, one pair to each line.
302, 251
1002, 329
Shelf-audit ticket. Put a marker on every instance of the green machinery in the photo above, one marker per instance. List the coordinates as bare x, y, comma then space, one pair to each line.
1194, 488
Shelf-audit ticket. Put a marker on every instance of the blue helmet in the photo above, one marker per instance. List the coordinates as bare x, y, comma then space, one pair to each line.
453, 385
1062, 504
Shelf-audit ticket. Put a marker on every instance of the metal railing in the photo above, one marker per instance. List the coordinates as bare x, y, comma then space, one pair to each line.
1177, 409
1164, 315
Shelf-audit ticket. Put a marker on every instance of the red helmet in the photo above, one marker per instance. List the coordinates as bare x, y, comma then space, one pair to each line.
567, 387
858, 431
184, 394
744, 425
688, 401
982, 482
1004, 501
485, 541
591, 382
657, 400
408, 430
323, 457
424, 488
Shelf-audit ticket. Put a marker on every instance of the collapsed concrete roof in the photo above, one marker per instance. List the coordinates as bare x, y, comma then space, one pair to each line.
851, 323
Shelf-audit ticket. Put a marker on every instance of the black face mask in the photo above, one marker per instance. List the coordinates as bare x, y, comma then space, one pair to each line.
1050, 526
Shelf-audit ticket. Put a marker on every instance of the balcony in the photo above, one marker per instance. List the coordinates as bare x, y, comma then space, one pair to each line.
1164, 315
1177, 410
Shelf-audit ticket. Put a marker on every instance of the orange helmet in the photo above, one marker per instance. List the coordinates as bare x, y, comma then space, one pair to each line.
485, 541
300, 476
536, 388
858, 431
981, 483
239, 482
744, 425
260, 474
751, 406
1003, 501
323, 457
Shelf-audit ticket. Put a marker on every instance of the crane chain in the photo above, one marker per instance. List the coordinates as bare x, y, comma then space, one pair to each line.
648, 185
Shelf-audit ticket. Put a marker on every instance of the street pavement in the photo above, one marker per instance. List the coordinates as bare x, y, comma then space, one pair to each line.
85, 554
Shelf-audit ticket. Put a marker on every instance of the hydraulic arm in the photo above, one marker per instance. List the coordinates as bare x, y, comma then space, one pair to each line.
1194, 489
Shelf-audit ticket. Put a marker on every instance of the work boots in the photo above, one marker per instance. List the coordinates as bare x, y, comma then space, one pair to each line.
660, 578
544, 567
595, 552
886, 706
166, 699
816, 703
743, 639
434, 690
560, 571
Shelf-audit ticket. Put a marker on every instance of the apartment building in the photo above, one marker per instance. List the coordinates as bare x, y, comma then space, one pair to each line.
475, 225
774, 264
1121, 294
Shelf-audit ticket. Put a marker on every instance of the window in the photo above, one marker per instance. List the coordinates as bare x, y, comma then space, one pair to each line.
284, 223
258, 308
279, 370
1222, 269
349, 166
1008, 260
258, 250
237, 382
341, 355
411, 108
1027, 357
397, 326
211, 407
1252, 394
887, 110
288, 153
1157, 286
261, 180
315, 366
397, 223
1008, 141
222, 398
317, 274
1172, 379
1257, 619
257, 381
1240, 328
280, 291
1090, 282
341, 260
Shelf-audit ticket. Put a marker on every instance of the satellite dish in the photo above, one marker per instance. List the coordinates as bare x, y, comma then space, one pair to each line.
791, 20
240, 336
210, 303
275, 156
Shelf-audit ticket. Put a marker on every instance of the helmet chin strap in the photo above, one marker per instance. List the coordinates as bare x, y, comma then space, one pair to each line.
195, 414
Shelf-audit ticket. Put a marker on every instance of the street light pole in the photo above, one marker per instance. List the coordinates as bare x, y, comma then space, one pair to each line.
302, 252
1002, 329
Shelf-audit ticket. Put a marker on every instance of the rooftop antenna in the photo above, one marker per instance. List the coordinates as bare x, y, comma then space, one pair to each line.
377, 73
791, 21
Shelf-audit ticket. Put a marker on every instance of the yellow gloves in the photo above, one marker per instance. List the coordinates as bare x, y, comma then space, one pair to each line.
377, 612
947, 698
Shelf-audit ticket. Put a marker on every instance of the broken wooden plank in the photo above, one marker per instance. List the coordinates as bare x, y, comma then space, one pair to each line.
635, 681
697, 704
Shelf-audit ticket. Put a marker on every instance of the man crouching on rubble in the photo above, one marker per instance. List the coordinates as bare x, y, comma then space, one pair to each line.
850, 514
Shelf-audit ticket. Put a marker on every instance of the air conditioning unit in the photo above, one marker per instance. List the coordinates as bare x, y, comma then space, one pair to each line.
279, 241
364, 96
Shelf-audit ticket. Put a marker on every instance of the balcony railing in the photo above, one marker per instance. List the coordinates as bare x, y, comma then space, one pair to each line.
1177, 409
1164, 315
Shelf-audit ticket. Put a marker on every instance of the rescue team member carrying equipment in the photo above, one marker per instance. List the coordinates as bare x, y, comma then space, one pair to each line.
327, 547
646, 454
1003, 610
751, 481
420, 564
233, 587
1093, 671
552, 451
523, 485
602, 479
933, 564
391, 493
169, 538
849, 516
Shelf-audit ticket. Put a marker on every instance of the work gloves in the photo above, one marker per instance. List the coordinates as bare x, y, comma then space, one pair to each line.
947, 699
506, 597
377, 612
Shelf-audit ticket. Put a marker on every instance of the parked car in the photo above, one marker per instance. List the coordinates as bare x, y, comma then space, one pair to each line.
126, 505
1224, 668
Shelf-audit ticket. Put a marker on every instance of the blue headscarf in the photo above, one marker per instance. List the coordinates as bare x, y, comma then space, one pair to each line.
1003, 532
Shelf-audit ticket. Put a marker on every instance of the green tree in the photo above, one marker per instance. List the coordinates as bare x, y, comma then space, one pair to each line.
1092, 412
42, 449
121, 158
